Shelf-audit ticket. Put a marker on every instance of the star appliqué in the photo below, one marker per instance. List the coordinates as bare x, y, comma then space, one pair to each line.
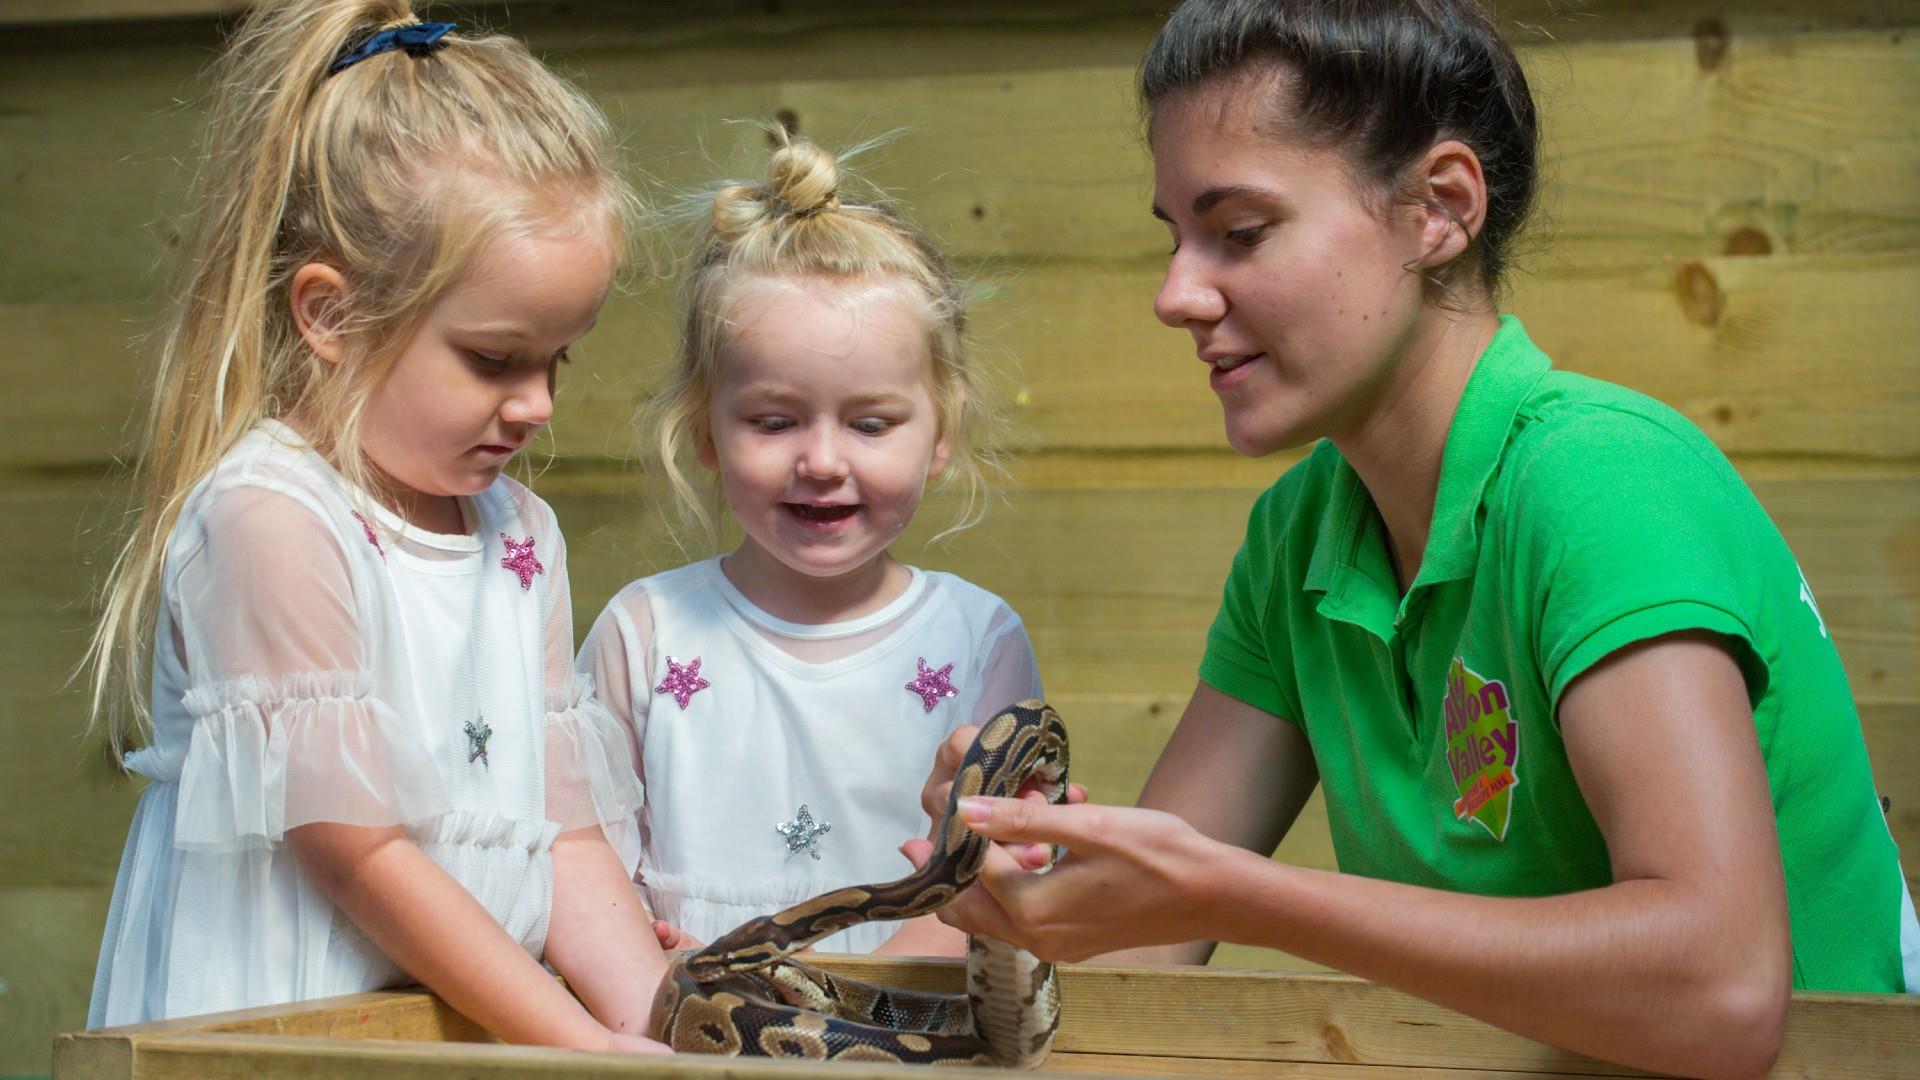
477, 735
520, 560
933, 685
682, 681
372, 537
803, 833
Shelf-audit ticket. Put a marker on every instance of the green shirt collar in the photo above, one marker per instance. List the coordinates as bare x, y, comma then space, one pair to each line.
1349, 562
1501, 381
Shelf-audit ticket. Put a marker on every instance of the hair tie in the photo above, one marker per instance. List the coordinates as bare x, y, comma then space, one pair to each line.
417, 39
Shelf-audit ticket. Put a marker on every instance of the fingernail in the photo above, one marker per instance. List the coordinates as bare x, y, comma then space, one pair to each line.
974, 811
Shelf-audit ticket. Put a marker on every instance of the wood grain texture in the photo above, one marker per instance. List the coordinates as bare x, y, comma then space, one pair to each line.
1137, 1017
1794, 146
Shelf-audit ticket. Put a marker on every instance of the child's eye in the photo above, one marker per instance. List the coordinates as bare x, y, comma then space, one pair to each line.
770, 424
872, 425
492, 365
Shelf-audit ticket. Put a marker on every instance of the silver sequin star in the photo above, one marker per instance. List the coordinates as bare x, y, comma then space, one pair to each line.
477, 735
803, 833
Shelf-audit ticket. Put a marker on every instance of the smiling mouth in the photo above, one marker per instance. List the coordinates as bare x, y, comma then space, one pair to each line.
822, 513
1228, 363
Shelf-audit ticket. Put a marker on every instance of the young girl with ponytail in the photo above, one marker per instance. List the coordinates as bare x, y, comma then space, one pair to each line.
369, 760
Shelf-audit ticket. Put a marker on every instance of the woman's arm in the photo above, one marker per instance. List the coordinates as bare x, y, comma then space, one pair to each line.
434, 929
1238, 775
1681, 965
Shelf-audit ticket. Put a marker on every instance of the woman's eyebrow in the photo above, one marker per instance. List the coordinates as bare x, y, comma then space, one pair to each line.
1213, 197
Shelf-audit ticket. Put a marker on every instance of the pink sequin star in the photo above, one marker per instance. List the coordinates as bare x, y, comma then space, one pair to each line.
682, 681
933, 685
372, 537
520, 560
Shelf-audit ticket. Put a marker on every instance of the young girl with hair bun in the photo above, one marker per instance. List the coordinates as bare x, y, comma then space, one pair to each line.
1591, 763
785, 698
369, 759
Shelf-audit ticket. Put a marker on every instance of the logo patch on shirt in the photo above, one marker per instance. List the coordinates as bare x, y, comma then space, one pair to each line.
1483, 747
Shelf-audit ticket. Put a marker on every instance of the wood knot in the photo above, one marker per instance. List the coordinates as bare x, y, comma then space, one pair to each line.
1748, 240
1699, 293
1710, 39
1338, 1047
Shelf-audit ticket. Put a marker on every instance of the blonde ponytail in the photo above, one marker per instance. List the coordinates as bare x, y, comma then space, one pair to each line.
396, 171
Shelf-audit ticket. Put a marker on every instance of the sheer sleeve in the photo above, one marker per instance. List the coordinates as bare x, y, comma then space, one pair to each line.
1010, 673
590, 777
286, 729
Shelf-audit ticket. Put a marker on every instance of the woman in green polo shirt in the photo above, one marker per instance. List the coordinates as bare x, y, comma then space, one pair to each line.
1591, 763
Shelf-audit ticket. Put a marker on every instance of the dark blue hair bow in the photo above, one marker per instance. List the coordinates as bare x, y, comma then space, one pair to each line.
418, 39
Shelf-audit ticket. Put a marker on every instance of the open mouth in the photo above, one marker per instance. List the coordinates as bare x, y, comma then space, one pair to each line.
822, 514
1228, 363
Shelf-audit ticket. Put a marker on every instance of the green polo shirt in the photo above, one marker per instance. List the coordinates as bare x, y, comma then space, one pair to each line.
1573, 517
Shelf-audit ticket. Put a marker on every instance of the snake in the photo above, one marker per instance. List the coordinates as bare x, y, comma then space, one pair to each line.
745, 995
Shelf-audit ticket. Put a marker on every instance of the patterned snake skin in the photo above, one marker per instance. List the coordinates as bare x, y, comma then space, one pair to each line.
743, 995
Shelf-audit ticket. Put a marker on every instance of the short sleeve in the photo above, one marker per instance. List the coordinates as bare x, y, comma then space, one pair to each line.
286, 728
615, 656
1240, 660
590, 778
1622, 530
1010, 672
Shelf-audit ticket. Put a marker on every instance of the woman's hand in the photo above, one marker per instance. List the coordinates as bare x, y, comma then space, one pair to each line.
1133, 877
939, 789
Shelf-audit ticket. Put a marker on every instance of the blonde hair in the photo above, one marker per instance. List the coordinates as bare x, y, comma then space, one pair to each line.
802, 223
397, 171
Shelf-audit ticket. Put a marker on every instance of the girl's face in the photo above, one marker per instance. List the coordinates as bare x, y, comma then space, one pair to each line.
823, 427
475, 383
1296, 290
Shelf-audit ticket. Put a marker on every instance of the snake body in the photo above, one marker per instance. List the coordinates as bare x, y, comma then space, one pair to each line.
745, 995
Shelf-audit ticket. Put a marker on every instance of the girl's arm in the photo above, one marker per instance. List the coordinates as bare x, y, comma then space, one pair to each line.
600, 937
1681, 965
434, 929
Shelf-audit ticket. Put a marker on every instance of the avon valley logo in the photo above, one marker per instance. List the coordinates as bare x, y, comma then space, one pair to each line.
1483, 748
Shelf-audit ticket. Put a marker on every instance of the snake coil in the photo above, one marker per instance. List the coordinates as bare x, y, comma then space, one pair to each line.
744, 995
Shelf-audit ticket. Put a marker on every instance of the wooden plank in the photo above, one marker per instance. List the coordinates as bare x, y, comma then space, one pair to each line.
1337, 1019
1157, 1013
1147, 1065
242, 1057
1803, 355
1021, 141
49, 938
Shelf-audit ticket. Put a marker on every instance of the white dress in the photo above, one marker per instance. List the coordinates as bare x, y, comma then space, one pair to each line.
791, 715
316, 659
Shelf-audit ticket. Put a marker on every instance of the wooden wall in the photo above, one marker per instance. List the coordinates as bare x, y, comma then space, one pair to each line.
1733, 225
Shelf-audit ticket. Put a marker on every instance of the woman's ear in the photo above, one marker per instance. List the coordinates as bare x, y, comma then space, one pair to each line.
1454, 192
318, 296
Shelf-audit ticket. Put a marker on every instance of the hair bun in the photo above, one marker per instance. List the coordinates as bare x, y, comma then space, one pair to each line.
803, 179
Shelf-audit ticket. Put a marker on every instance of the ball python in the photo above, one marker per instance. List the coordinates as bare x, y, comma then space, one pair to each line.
745, 995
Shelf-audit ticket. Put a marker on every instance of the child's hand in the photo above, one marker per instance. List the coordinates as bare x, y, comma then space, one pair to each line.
672, 937
634, 1044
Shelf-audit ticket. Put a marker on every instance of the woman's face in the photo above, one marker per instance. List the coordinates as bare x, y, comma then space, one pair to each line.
1300, 292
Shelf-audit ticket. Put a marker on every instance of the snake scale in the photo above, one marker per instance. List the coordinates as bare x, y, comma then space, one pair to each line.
745, 995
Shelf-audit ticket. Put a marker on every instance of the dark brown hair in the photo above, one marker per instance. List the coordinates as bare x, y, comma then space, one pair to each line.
1381, 80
